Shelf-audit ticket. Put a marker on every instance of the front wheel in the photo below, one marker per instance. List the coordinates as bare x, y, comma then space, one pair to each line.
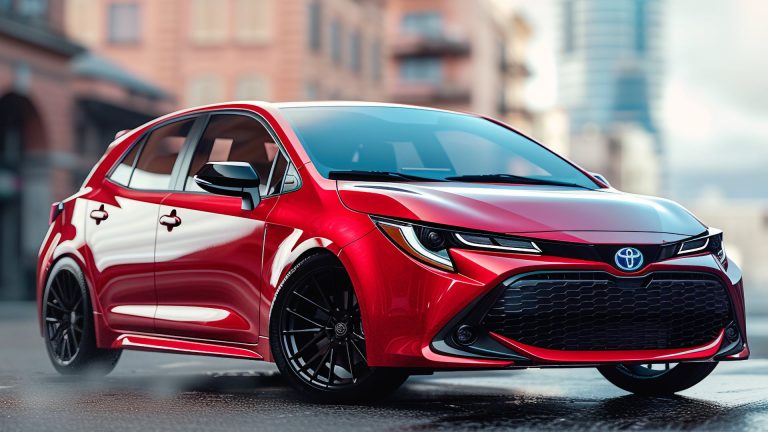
68, 326
656, 379
317, 338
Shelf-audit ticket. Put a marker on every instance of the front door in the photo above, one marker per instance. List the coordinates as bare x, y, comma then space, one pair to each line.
208, 250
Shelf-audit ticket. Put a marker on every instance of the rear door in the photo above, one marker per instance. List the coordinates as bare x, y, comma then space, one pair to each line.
121, 226
208, 261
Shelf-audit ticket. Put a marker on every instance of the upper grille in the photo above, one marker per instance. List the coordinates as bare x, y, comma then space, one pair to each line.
596, 311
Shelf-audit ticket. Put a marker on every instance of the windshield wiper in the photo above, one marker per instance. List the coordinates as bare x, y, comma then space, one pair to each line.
377, 175
511, 178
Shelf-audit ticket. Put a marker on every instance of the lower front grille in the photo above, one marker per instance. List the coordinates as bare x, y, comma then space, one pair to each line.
588, 311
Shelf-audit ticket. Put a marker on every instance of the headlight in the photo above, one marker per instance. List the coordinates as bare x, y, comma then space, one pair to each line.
430, 245
711, 242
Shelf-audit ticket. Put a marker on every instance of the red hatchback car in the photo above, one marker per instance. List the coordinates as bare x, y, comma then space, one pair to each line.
355, 244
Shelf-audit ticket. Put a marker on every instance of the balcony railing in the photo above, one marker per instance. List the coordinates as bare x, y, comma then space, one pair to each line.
410, 45
443, 92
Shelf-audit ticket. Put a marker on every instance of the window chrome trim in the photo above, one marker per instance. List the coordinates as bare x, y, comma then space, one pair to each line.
535, 248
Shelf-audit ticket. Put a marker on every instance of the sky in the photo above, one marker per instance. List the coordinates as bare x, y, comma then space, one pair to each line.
714, 105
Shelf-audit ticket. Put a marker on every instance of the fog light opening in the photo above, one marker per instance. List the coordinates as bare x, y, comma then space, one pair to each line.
732, 334
465, 335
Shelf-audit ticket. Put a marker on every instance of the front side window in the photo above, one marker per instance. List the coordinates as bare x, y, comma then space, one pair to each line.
124, 25
234, 138
155, 165
430, 144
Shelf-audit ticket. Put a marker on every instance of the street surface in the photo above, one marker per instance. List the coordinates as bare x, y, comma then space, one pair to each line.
165, 392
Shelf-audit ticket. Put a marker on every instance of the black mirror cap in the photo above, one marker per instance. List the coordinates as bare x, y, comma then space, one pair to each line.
229, 174
231, 179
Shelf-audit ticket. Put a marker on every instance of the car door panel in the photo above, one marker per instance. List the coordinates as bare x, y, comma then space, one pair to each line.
207, 268
120, 233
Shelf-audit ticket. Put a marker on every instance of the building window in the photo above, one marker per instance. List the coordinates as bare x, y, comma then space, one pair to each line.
253, 21
204, 90
568, 31
208, 22
426, 24
336, 35
33, 9
376, 61
252, 88
311, 91
424, 69
124, 25
355, 41
640, 26
315, 17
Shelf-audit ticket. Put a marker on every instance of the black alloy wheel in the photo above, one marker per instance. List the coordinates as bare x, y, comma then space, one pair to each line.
317, 336
68, 326
656, 379
64, 315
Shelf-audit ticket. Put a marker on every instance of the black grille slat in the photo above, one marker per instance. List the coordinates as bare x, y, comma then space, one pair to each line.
596, 311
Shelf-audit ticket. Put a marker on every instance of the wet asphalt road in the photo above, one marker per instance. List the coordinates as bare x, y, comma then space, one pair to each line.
182, 393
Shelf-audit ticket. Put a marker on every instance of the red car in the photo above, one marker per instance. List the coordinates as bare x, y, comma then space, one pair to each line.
355, 244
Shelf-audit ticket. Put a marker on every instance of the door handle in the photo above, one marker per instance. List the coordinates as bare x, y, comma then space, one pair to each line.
99, 215
170, 221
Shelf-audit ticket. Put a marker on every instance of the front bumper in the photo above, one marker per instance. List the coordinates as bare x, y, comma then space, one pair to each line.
411, 311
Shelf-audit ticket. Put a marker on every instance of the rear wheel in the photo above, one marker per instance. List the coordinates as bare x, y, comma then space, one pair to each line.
656, 379
68, 324
317, 336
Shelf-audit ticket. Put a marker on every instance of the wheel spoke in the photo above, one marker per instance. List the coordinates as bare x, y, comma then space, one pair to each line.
51, 319
320, 364
326, 311
349, 359
354, 345
309, 330
360, 337
291, 311
73, 337
312, 342
311, 360
55, 306
322, 292
331, 366
56, 294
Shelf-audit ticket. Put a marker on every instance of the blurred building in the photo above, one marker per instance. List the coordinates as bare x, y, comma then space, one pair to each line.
457, 54
625, 154
207, 51
59, 109
610, 63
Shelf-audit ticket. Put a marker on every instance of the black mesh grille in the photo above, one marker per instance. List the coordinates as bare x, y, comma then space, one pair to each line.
596, 311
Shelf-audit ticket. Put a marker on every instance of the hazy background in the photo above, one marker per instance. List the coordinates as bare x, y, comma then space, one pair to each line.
664, 97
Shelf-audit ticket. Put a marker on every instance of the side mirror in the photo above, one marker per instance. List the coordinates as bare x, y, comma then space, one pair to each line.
601, 178
231, 179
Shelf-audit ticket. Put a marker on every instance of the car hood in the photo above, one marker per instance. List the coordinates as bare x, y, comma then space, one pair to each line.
520, 209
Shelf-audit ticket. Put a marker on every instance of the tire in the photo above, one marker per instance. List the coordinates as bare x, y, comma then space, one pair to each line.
642, 380
68, 327
317, 339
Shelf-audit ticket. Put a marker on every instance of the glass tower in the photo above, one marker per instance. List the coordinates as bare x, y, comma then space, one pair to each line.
609, 62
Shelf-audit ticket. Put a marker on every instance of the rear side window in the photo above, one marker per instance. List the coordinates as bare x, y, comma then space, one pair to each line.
155, 165
122, 172
234, 138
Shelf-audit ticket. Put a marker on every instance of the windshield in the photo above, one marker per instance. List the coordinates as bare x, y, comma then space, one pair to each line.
423, 143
